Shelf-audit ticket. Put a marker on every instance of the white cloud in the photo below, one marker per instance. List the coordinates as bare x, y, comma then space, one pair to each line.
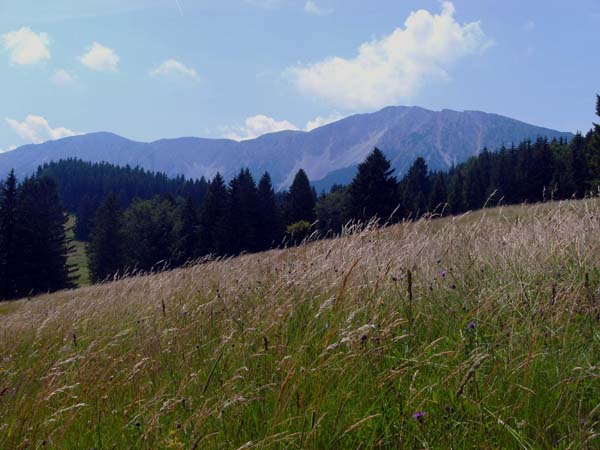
8, 149
318, 122
394, 68
100, 58
26, 47
260, 124
257, 126
174, 69
63, 78
312, 7
35, 129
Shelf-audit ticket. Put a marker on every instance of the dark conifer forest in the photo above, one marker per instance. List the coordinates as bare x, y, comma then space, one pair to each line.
136, 221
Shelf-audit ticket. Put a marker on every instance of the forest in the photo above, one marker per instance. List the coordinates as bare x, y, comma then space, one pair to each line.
136, 221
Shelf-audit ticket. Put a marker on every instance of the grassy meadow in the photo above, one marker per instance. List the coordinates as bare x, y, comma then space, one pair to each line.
475, 332
78, 257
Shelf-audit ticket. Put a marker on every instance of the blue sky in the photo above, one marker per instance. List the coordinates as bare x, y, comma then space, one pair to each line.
148, 69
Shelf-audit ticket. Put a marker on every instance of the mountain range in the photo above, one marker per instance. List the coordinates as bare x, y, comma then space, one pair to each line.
329, 154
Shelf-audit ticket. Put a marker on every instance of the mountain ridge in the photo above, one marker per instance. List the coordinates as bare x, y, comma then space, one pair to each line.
329, 154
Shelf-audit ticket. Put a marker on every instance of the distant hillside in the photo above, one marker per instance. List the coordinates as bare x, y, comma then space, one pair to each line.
329, 154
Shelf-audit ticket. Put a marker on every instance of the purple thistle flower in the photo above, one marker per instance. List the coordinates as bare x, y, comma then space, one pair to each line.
443, 274
419, 416
471, 325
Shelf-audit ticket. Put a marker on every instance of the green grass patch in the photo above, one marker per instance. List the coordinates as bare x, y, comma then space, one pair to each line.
78, 257
494, 343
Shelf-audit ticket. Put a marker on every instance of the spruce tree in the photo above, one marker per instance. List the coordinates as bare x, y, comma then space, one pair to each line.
106, 247
41, 238
594, 152
373, 192
84, 218
243, 214
578, 165
9, 252
455, 191
301, 200
214, 233
438, 197
414, 189
270, 230
186, 231
148, 228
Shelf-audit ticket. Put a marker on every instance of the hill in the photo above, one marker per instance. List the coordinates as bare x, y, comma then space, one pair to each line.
479, 331
329, 154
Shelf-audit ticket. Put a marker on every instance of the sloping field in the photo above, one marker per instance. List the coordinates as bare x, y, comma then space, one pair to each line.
474, 332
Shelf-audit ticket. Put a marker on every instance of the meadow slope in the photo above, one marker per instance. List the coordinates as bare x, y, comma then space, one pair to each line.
481, 331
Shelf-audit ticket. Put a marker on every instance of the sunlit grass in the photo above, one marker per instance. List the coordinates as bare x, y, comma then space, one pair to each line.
78, 257
495, 341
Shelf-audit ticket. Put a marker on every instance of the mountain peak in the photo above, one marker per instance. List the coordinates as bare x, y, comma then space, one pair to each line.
328, 154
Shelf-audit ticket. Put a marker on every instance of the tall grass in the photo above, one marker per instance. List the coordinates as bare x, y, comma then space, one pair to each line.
481, 331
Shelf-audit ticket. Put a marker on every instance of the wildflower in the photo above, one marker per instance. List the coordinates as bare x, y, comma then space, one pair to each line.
471, 326
452, 286
443, 274
419, 416
363, 338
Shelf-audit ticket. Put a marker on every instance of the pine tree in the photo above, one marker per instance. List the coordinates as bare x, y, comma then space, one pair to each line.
270, 231
186, 231
455, 191
414, 189
243, 220
439, 194
373, 192
579, 165
106, 247
41, 238
149, 234
333, 210
301, 200
594, 152
9, 252
84, 218
214, 233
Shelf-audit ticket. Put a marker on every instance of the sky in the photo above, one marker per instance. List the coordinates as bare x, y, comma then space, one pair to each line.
152, 69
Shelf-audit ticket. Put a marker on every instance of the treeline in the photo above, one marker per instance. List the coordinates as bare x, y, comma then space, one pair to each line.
33, 242
84, 185
146, 221
530, 172
237, 217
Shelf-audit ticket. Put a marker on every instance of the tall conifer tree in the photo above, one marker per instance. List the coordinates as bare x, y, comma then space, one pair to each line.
301, 200
270, 230
214, 232
106, 248
594, 152
243, 220
373, 190
9, 255
41, 238
186, 231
